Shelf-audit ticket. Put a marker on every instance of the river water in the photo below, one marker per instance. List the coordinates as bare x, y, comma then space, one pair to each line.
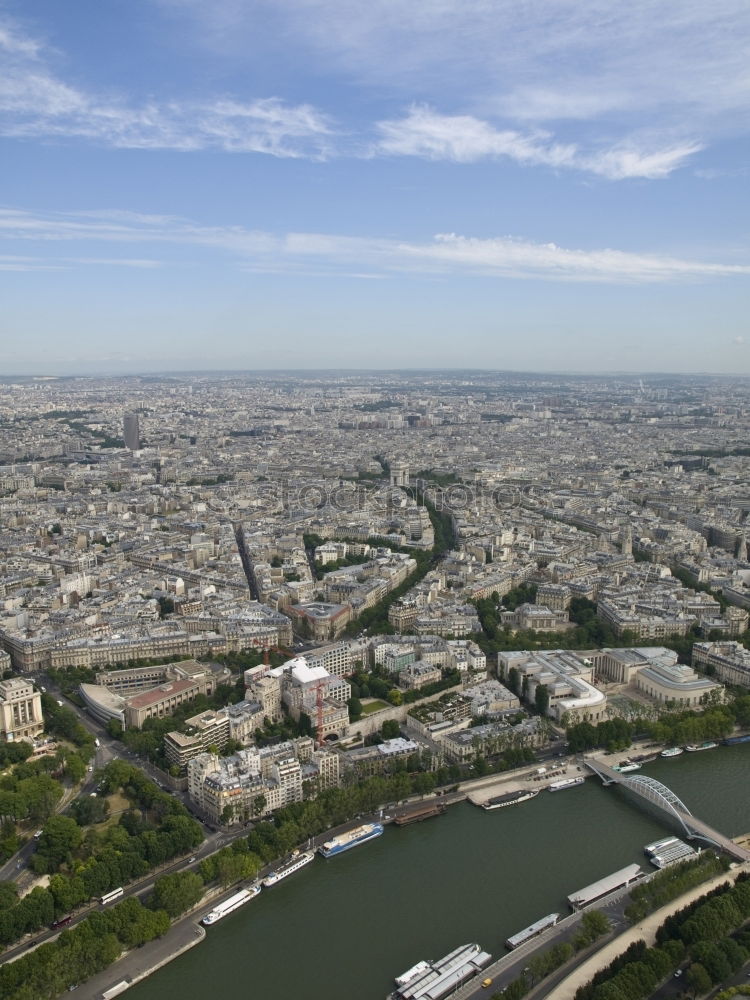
344, 927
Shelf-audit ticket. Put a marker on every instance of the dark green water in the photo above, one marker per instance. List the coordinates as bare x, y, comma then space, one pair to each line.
345, 927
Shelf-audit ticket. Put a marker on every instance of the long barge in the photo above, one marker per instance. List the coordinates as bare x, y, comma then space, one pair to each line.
289, 868
234, 902
591, 893
435, 980
731, 741
352, 838
532, 931
417, 815
510, 798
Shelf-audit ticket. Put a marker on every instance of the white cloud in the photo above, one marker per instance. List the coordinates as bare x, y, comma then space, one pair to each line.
444, 254
465, 139
33, 102
679, 63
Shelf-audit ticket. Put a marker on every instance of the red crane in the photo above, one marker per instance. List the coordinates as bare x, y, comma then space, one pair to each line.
320, 690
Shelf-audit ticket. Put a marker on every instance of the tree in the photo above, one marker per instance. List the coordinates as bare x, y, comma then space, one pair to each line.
60, 837
176, 893
390, 729
698, 979
355, 709
541, 699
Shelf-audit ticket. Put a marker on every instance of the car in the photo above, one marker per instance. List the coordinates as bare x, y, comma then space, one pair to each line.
192, 860
678, 973
486, 982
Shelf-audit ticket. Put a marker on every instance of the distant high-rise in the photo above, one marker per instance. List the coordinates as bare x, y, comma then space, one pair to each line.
131, 431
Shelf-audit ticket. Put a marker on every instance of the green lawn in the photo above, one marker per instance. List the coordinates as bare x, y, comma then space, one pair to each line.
374, 706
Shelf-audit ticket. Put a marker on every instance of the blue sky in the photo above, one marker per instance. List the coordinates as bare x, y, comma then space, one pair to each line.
543, 185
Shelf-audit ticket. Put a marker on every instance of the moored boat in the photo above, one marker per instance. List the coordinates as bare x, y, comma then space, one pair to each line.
352, 838
558, 786
296, 862
708, 745
672, 752
510, 798
234, 902
539, 927
435, 980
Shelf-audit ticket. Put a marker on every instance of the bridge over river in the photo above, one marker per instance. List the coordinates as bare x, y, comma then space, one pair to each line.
658, 795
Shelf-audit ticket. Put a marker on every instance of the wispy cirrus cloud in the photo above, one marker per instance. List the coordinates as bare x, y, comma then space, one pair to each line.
255, 250
551, 61
34, 102
465, 139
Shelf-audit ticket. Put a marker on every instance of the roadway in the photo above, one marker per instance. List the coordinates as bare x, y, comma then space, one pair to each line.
511, 965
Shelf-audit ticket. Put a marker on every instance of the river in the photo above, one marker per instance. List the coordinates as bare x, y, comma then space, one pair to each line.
344, 927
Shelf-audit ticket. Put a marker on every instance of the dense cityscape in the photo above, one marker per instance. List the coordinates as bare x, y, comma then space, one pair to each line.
242, 611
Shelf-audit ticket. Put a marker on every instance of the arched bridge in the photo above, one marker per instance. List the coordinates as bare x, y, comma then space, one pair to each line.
658, 795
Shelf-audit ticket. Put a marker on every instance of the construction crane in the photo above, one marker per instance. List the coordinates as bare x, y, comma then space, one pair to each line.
320, 690
276, 649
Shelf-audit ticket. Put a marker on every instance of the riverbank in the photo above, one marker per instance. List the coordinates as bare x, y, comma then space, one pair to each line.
402, 866
645, 930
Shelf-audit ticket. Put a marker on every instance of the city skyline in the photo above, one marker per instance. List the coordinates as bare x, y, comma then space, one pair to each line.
308, 185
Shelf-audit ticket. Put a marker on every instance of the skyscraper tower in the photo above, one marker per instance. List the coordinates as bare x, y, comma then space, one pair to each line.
131, 431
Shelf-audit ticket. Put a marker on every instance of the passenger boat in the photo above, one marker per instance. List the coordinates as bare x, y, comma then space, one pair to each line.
510, 798
234, 902
435, 980
296, 862
352, 838
558, 786
672, 752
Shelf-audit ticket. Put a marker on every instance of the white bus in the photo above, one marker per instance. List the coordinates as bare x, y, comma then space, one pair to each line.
110, 897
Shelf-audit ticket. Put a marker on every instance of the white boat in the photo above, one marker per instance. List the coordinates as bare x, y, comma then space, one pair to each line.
415, 970
435, 980
289, 868
539, 927
627, 768
230, 905
558, 786
708, 745
510, 798
672, 752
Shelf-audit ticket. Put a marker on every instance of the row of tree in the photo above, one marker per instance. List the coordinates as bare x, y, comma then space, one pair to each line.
81, 952
715, 722
707, 931
672, 882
